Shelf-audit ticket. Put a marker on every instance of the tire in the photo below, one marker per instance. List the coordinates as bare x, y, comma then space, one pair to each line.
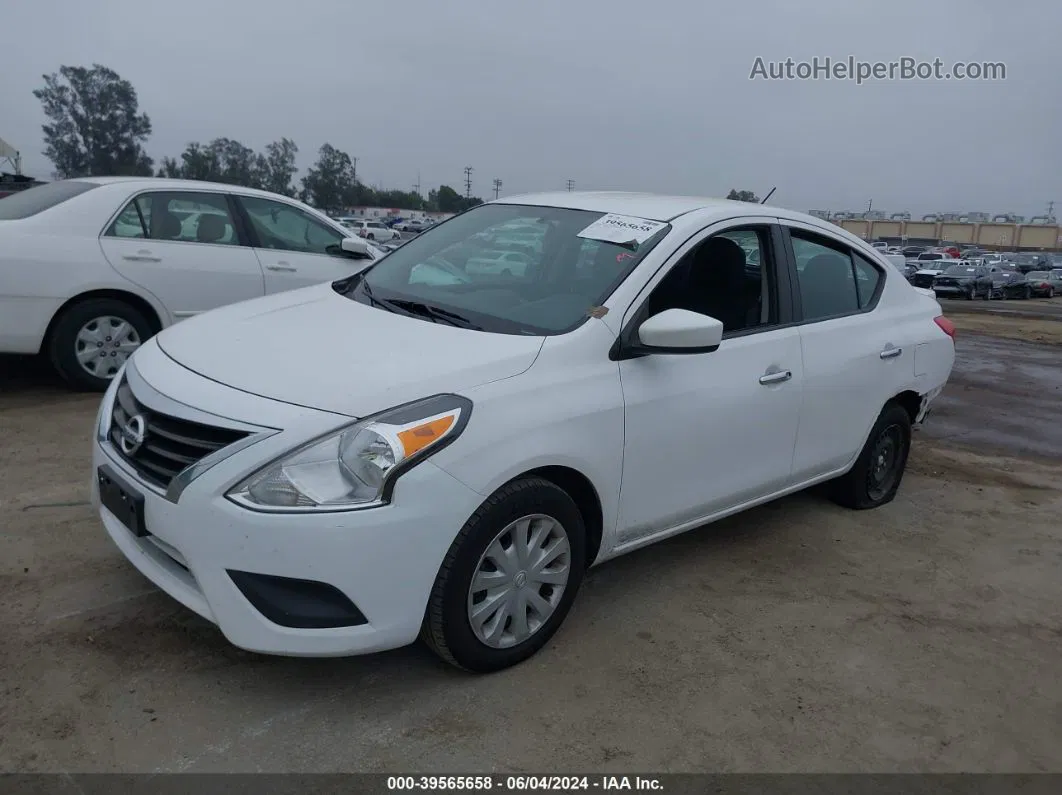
370, 236
971, 295
75, 326
1027, 293
860, 489
1050, 292
447, 629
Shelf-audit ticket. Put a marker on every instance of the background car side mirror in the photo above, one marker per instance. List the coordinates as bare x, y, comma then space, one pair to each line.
679, 331
356, 246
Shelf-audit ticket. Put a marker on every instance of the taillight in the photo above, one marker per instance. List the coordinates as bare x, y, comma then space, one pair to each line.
945, 325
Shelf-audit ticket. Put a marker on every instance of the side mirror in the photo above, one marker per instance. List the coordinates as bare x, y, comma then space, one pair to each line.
356, 246
679, 331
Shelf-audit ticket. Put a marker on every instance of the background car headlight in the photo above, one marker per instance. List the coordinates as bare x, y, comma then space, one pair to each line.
355, 466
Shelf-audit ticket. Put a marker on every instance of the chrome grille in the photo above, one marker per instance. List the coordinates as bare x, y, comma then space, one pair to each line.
170, 444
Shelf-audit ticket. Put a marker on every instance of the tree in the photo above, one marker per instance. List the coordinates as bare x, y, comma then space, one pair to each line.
447, 200
278, 167
95, 126
743, 196
330, 181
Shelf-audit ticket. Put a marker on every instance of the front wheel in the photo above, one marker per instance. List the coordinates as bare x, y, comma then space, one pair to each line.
92, 340
1050, 292
509, 578
370, 236
874, 478
971, 294
1027, 293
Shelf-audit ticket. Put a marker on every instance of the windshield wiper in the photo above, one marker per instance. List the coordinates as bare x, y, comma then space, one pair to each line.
434, 313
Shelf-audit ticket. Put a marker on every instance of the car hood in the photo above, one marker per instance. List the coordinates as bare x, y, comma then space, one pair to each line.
315, 348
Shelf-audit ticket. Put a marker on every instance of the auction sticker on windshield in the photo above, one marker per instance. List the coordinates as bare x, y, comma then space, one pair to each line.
622, 229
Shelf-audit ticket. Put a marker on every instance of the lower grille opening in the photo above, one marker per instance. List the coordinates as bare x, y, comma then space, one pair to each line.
299, 604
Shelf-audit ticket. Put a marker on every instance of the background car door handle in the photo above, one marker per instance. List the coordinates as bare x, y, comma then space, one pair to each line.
286, 268
890, 353
776, 378
141, 258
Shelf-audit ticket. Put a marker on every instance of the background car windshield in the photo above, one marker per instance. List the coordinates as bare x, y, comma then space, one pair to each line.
958, 270
508, 268
34, 200
1037, 275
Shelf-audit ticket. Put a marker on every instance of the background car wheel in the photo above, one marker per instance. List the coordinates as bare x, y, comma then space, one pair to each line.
1050, 292
92, 340
370, 236
971, 295
509, 578
1027, 293
877, 473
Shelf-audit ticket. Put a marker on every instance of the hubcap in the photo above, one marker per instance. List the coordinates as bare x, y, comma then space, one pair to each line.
884, 462
519, 581
103, 344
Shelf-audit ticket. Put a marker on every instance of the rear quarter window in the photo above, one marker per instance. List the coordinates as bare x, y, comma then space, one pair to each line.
30, 202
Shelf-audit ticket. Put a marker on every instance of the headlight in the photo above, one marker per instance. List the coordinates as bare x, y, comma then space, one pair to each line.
356, 466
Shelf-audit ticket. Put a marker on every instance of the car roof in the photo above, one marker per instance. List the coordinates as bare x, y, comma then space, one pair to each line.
651, 206
175, 184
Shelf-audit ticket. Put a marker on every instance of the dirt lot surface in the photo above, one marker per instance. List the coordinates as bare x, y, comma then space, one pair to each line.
923, 636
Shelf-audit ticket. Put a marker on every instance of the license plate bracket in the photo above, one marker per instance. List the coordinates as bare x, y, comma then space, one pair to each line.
121, 499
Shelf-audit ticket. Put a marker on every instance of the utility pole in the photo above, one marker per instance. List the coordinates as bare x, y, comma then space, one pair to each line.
354, 164
497, 187
571, 185
468, 182
416, 187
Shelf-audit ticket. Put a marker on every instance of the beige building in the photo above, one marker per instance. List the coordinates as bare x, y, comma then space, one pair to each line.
1008, 236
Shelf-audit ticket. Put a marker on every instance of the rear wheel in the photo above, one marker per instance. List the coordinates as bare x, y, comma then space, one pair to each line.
508, 579
93, 339
874, 478
370, 236
1050, 292
1027, 293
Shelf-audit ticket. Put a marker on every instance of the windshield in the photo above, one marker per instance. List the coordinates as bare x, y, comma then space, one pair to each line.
929, 257
31, 201
505, 268
959, 270
1038, 275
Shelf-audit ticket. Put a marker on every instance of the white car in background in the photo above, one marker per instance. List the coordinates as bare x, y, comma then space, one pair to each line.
423, 450
371, 230
91, 268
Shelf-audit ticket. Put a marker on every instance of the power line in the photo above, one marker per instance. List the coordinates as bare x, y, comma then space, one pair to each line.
497, 187
571, 185
468, 182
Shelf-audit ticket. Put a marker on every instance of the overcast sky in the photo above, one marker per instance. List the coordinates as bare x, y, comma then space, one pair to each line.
613, 94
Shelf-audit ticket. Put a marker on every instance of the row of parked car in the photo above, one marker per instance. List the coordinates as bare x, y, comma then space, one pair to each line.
970, 274
384, 230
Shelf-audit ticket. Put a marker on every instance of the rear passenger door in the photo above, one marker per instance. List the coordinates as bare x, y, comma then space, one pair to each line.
184, 247
854, 353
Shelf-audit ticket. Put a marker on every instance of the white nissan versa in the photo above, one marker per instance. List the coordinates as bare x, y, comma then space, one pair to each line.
426, 449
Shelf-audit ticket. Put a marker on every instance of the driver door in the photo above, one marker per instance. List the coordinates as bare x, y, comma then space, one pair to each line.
295, 248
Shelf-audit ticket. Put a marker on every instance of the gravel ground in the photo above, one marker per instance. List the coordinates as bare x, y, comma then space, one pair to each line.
923, 636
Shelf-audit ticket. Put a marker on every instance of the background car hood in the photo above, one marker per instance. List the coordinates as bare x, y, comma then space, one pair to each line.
315, 348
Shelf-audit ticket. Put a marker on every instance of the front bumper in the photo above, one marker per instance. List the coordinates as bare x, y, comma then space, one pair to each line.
382, 561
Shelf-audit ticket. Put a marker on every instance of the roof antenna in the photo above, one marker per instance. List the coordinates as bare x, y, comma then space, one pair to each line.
765, 198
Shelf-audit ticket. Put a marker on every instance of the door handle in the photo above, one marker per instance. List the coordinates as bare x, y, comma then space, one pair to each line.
776, 378
141, 258
890, 352
286, 268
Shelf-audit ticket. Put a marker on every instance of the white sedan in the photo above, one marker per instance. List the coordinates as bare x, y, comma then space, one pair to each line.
371, 230
424, 450
91, 268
